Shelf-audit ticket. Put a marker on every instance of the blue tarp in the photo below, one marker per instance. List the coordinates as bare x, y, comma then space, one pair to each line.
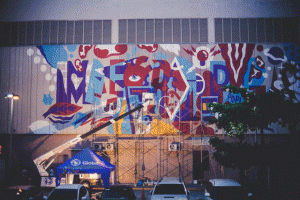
87, 161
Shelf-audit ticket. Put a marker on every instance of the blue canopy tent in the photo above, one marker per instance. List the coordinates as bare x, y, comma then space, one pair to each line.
87, 161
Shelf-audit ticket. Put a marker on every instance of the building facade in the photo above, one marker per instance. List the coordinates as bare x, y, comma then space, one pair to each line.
78, 65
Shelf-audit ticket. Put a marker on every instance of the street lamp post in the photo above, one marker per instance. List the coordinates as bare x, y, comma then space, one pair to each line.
12, 97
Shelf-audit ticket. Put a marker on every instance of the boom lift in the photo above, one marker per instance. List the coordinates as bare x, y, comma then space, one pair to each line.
44, 161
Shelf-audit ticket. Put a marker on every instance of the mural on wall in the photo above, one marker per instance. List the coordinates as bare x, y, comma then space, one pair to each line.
86, 85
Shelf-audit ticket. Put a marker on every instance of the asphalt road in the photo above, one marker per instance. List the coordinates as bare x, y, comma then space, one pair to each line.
196, 193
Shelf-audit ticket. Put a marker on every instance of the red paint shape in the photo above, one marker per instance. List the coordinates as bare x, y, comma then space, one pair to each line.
105, 53
260, 62
112, 88
104, 89
239, 63
202, 55
83, 50
193, 48
189, 51
259, 48
116, 61
78, 65
166, 69
150, 48
178, 81
204, 130
254, 73
97, 95
63, 109
135, 74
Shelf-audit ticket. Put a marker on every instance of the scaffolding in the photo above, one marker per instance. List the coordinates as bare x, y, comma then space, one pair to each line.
144, 156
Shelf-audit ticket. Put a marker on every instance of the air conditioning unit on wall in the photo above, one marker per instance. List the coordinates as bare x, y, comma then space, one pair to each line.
103, 146
109, 146
175, 146
98, 146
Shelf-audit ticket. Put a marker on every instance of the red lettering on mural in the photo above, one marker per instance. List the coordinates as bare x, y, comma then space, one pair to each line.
236, 57
161, 82
179, 83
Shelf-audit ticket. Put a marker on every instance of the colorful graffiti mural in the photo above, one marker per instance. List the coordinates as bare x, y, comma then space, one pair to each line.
86, 85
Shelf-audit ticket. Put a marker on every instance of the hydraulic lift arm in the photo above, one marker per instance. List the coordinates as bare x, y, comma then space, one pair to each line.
44, 161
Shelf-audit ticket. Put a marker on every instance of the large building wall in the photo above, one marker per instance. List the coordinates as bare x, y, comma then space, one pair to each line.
69, 89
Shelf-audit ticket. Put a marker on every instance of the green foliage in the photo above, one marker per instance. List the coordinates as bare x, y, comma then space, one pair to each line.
257, 111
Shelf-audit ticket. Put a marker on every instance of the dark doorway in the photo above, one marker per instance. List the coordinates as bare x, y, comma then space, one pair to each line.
198, 166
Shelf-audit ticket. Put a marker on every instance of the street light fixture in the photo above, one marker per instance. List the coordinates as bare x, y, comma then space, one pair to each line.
12, 97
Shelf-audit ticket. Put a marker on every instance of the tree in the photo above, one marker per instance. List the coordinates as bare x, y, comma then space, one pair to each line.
255, 112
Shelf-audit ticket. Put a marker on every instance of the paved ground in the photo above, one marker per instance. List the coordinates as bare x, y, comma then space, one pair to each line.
196, 192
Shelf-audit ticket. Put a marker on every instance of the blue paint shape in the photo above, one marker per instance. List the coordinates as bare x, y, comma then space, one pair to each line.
54, 54
134, 50
72, 48
96, 83
186, 66
47, 99
254, 81
160, 56
156, 65
232, 98
220, 72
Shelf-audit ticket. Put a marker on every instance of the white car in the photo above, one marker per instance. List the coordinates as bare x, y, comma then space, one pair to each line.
69, 192
225, 189
170, 188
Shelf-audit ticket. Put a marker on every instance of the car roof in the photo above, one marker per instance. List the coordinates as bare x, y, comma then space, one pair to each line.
69, 186
170, 180
23, 187
224, 182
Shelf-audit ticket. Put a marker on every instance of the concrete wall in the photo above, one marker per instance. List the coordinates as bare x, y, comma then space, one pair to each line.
32, 10
28, 10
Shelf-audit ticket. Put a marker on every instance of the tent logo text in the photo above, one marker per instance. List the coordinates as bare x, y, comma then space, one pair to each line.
89, 163
75, 162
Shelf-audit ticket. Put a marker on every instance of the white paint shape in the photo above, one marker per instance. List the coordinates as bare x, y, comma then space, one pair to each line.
30, 52
48, 77
42, 127
53, 70
43, 68
37, 59
51, 88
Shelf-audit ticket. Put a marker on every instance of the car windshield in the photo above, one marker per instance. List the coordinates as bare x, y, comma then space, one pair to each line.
169, 189
115, 192
228, 192
15, 194
63, 194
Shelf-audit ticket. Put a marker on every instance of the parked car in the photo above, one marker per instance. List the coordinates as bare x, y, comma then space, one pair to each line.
23, 192
217, 189
115, 192
170, 187
69, 192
